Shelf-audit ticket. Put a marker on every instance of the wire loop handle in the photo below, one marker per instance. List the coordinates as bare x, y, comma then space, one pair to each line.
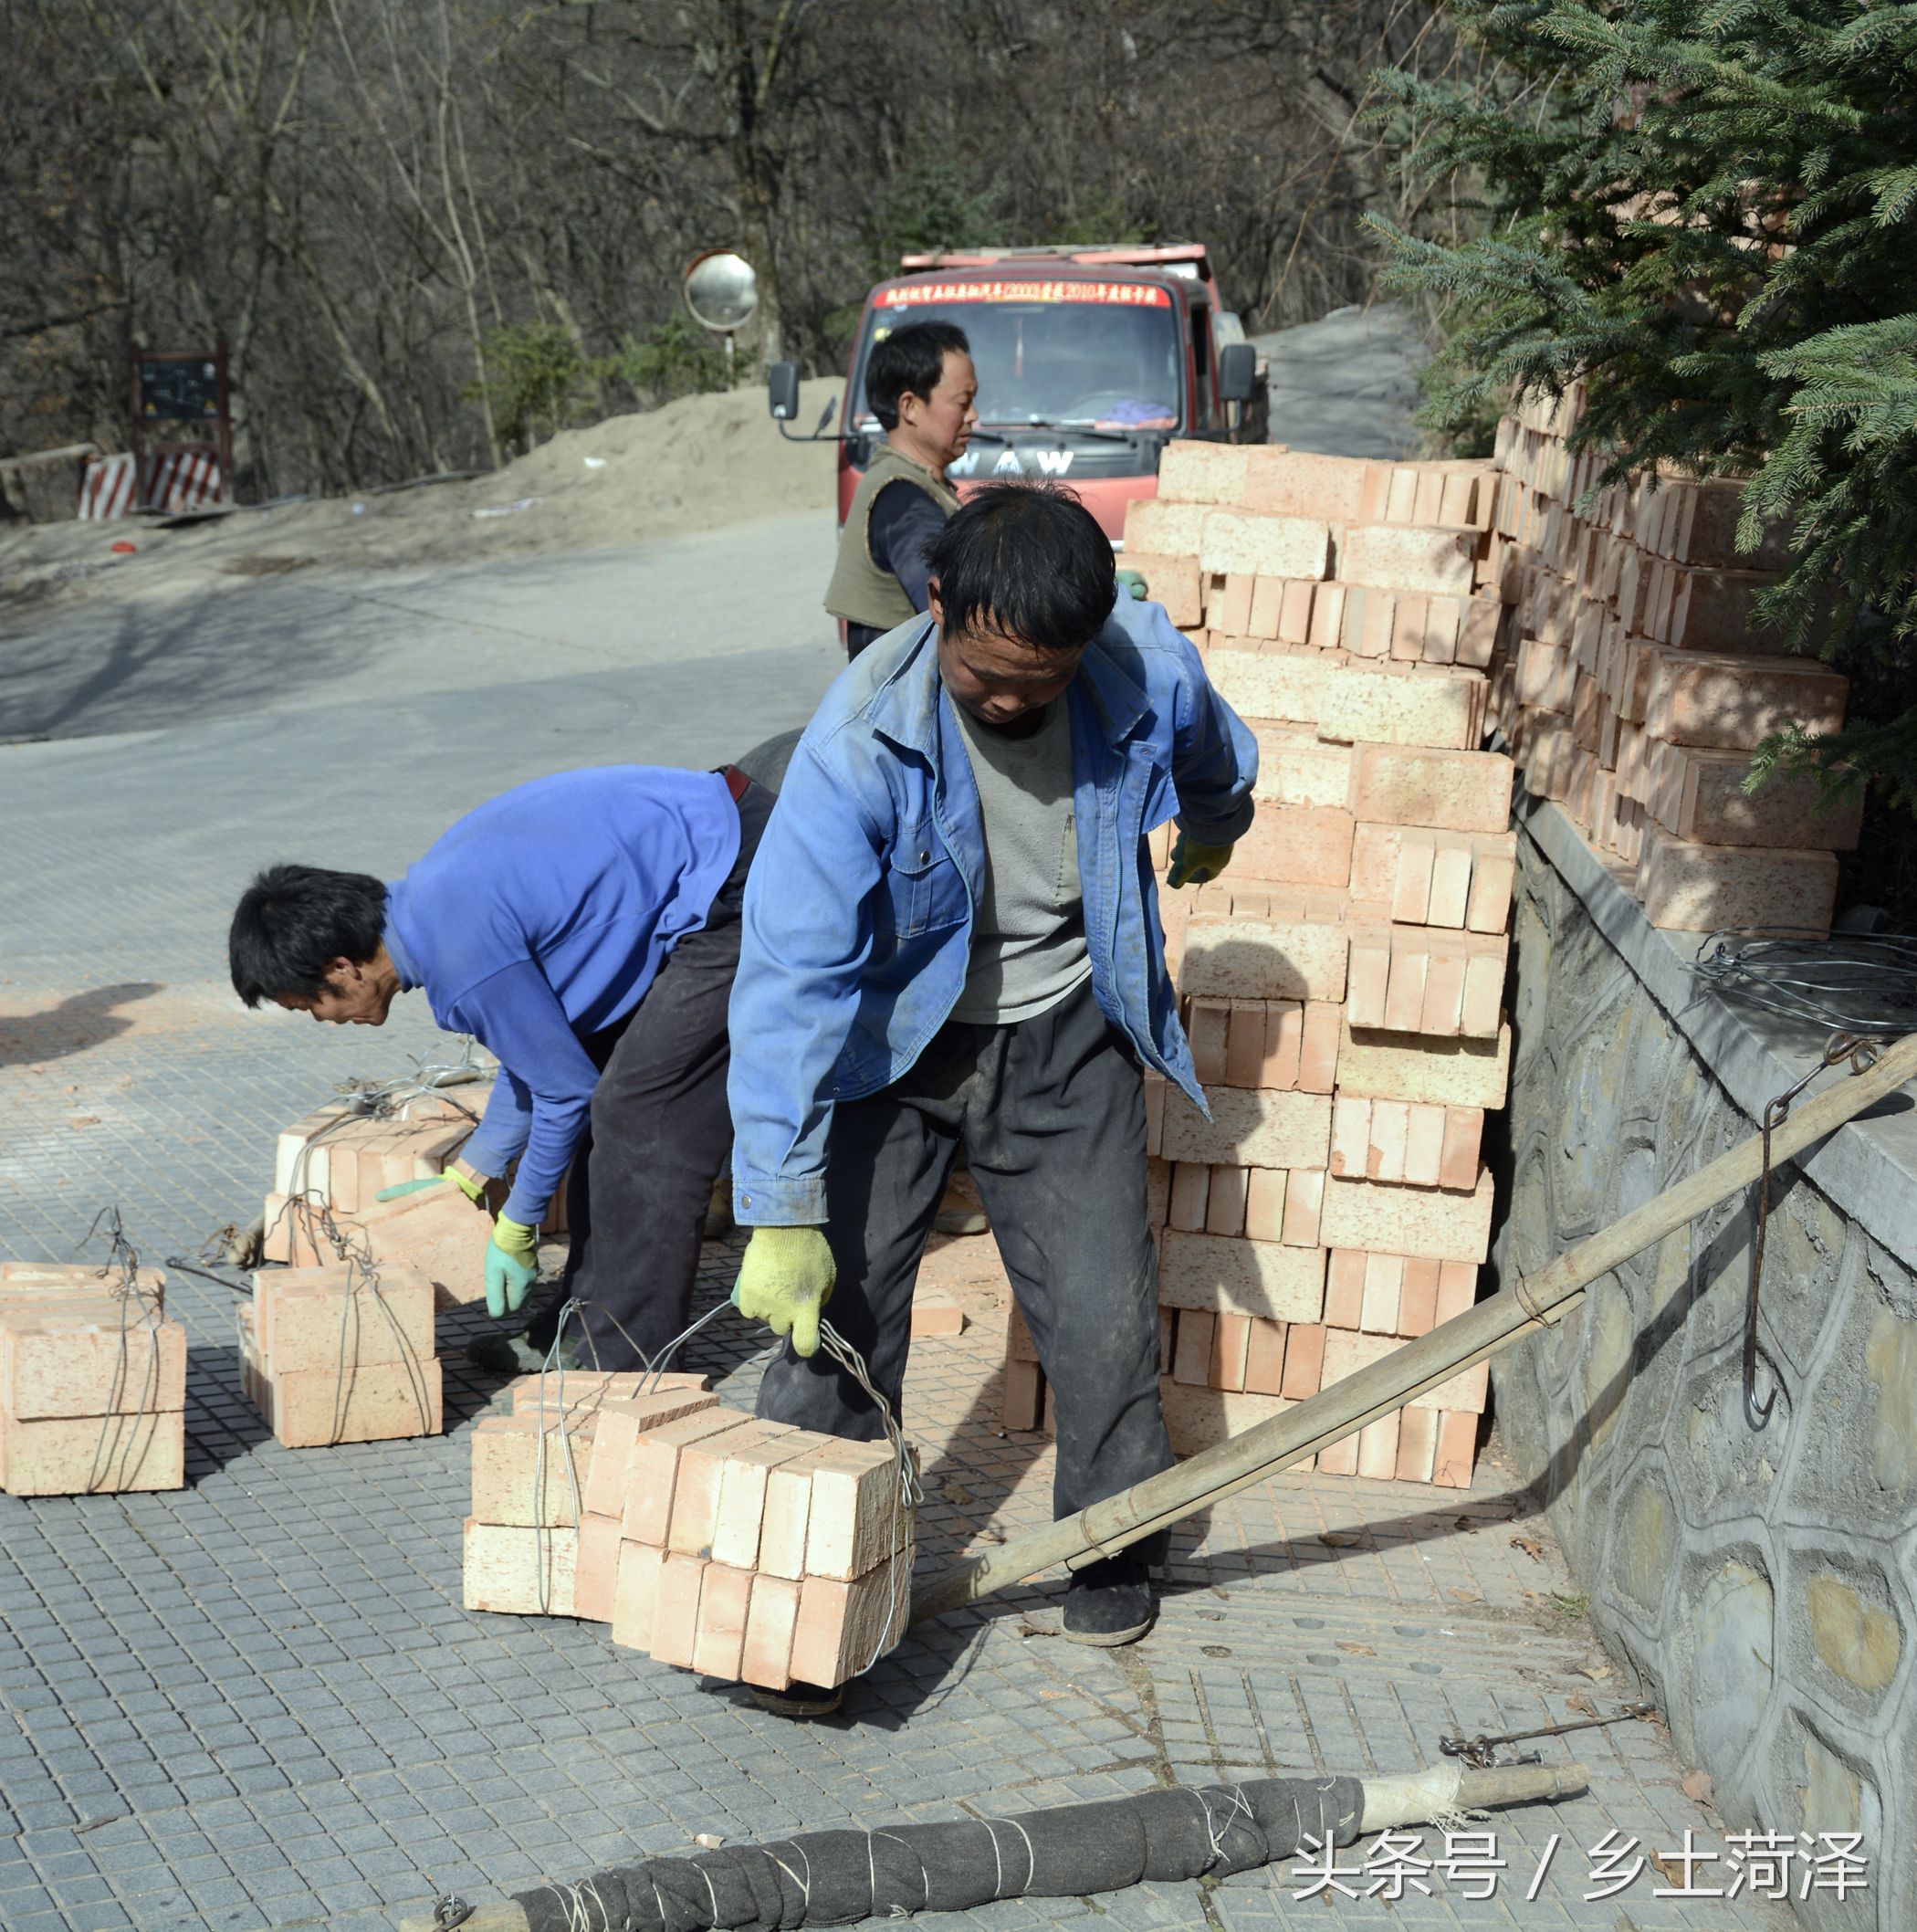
908, 1493
135, 1304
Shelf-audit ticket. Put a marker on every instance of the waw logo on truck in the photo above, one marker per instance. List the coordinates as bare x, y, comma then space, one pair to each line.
1009, 463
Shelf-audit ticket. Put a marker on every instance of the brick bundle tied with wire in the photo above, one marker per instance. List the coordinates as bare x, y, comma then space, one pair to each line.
343, 1177
714, 1541
343, 1353
92, 1377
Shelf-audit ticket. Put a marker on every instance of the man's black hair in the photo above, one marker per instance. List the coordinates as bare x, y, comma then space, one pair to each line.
293, 921
1029, 560
909, 362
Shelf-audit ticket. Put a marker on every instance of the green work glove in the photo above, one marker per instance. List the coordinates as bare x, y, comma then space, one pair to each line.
785, 1280
1196, 865
470, 1185
512, 1266
1133, 581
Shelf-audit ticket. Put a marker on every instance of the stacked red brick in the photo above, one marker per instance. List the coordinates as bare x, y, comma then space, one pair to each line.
92, 1382
331, 1168
1632, 684
340, 1354
740, 1549
1342, 983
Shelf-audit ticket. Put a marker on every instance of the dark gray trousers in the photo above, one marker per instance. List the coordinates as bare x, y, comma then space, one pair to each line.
1052, 1112
642, 1179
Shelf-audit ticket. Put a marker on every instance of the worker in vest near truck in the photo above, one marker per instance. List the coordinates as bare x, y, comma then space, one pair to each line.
922, 386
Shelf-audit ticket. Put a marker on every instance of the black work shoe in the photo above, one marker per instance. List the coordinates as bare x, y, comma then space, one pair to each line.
1109, 1602
797, 1700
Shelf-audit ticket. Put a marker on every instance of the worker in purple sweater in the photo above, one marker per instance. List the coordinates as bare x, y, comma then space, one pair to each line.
584, 929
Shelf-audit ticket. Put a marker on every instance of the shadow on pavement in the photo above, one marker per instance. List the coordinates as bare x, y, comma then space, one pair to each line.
81, 1021
369, 636
144, 667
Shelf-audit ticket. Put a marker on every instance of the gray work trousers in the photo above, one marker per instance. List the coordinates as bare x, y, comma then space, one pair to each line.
1052, 1113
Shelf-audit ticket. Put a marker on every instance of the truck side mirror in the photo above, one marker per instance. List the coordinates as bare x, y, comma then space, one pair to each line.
1237, 371
783, 390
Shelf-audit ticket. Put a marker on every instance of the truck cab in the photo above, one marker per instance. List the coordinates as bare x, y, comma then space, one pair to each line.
1089, 361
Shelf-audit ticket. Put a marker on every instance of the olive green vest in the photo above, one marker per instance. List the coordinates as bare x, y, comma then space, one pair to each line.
860, 592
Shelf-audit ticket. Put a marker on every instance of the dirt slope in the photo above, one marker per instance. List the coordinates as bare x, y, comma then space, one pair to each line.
693, 464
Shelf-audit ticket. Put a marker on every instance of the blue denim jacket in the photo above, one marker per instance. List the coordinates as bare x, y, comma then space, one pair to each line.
858, 910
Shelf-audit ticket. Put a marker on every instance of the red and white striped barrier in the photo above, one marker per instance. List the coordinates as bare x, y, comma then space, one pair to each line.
106, 488
178, 480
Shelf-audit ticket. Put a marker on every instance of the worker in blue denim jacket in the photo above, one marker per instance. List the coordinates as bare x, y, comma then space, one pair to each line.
951, 934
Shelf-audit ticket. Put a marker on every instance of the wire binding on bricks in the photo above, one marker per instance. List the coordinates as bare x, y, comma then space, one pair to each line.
135, 1304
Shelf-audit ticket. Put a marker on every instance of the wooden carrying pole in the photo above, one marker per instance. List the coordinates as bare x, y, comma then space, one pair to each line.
1394, 1379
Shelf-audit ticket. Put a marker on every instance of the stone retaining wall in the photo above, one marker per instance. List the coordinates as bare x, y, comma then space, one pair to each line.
1763, 1582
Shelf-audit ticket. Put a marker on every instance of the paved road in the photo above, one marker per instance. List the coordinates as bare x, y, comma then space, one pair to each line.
258, 1702
350, 723
1347, 383
220, 648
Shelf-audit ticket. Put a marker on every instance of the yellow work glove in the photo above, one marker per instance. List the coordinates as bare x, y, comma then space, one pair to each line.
512, 1266
785, 1280
1196, 865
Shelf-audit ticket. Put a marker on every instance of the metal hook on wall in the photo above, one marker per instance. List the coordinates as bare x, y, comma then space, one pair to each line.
1841, 1047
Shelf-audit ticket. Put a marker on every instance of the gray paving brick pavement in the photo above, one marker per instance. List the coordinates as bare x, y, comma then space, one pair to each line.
258, 1702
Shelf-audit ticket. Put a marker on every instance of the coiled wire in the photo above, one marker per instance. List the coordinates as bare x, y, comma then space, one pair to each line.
1864, 985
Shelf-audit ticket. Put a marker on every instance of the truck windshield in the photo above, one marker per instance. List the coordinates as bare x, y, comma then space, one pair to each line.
1061, 354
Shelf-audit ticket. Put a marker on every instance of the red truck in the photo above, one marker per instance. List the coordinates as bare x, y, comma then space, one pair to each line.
1089, 359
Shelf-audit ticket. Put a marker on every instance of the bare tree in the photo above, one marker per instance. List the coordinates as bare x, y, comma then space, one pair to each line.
731, 81
366, 198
